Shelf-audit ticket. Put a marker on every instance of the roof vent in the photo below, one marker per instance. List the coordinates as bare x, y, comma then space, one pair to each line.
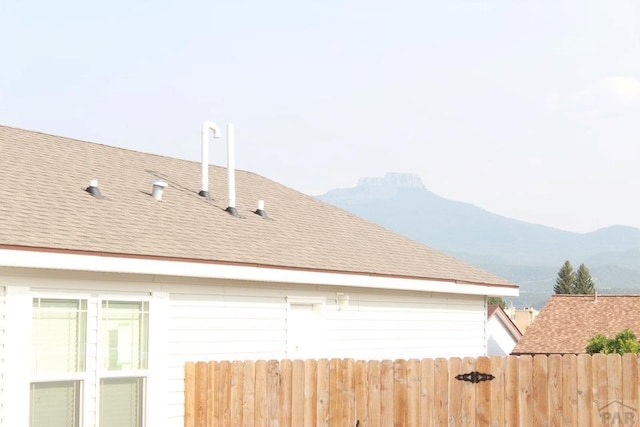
260, 211
158, 187
231, 170
93, 189
206, 127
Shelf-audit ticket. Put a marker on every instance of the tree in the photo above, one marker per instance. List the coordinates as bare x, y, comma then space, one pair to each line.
565, 280
570, 282
623, 342
497, 301
584, 283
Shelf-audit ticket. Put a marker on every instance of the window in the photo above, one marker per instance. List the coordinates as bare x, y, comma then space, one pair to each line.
58, 363
70, 371
124, 329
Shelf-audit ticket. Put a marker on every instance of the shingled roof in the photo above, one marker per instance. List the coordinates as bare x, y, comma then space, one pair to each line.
567, 322
44, 205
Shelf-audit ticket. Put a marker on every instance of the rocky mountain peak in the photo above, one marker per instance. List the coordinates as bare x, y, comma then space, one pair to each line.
393, 179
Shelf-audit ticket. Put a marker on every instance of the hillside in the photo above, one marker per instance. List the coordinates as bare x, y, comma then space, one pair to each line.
528, 254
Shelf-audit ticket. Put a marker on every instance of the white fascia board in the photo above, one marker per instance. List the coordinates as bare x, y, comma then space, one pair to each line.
113, 264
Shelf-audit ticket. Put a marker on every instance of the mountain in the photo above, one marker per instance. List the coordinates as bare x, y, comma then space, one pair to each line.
528, 254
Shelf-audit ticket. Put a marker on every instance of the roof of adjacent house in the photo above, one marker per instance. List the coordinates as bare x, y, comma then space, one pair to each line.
497, 312
43, 204
566, 323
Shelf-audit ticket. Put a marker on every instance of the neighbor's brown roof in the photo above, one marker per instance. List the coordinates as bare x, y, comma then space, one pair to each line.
567, 322
43, 204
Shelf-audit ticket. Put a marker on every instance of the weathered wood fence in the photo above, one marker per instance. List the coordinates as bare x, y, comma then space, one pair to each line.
550, 390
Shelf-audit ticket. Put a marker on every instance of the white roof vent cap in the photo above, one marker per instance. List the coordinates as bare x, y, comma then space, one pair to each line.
158, 187
260, 211
93, 188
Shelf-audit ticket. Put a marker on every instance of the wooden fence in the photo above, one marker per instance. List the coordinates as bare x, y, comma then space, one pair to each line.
551, 390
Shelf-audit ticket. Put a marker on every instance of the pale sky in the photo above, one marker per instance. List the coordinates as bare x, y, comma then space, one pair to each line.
529, 109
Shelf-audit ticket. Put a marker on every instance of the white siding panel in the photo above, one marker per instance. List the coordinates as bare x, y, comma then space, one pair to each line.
3, 308
500, 342
251, 323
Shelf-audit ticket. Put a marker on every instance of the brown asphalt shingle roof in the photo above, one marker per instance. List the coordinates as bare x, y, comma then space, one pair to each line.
567, 322
43, 204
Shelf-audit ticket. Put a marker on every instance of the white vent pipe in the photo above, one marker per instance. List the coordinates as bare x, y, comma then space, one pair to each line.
206, 127
231, 166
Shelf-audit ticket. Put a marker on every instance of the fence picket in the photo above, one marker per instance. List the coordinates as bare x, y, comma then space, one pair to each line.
189, 394
540, 391
361, 392
323, 393
285, 393
555, 384
525, 399
399, 392
261, 411
427, 394
483, 401
441, 391
413, 393
297, 393
273, 395
310, 392
455, 391
584, 392
248, 393
498, 390
630, 380
373, 391
386, 393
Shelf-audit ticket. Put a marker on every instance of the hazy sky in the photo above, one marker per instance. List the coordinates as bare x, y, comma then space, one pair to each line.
529, 109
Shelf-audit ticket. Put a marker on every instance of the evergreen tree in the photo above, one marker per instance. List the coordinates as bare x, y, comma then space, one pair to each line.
565, 282
584, 283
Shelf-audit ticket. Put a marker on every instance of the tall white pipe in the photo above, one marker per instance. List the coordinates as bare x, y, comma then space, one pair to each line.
206, 127
231, 166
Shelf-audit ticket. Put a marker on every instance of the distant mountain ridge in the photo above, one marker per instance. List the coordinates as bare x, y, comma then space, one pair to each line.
528, 254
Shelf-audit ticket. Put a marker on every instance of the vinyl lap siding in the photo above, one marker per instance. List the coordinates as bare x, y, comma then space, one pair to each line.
2, 364
251, 323
398, 327
212, 327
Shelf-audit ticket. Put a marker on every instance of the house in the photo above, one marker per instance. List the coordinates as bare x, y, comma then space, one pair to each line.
502, 333
117, 267
522, 317
566, 323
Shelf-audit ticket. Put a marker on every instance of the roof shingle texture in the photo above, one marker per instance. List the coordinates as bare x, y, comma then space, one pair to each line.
43, 204
567, 322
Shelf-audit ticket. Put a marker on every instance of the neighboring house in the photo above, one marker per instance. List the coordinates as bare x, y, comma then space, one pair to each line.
502, 333
106, 292
522, 317
566, 323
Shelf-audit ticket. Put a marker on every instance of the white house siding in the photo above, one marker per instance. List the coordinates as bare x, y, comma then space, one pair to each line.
246, 321
2, 364
201, 319
500, 341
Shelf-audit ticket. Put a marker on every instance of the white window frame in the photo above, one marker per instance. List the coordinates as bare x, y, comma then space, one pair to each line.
82, 376
102, 373
93, 371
